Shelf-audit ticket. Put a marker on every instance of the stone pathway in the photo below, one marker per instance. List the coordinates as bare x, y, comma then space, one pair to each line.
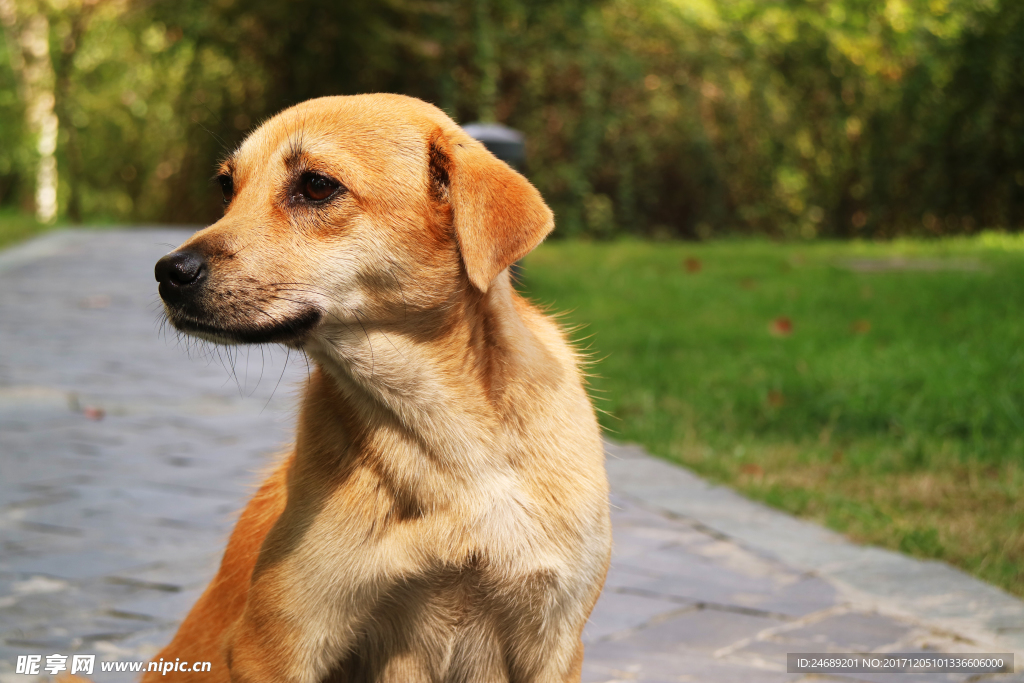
125, 455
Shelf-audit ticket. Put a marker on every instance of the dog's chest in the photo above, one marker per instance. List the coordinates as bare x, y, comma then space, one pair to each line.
455, 622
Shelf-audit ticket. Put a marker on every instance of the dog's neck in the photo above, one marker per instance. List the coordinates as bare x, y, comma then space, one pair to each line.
443, 394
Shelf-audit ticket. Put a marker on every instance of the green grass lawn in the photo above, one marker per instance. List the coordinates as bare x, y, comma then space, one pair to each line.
17, 226
876, 388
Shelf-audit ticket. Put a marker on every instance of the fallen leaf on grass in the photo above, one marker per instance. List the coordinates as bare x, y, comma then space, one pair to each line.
860, 326
93, 413
781, 327
752, 469
748, 283
776, 399
692, 265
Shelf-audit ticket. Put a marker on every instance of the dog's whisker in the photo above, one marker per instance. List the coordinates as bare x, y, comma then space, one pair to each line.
308, 371
232, 355
240, 250
284, 366
263, 366
216, 137
223, 364
248, 349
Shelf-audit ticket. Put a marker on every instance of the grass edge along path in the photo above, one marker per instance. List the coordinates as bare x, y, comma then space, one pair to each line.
17, 226
875, 388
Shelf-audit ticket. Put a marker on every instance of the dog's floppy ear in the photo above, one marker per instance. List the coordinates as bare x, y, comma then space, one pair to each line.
498, 216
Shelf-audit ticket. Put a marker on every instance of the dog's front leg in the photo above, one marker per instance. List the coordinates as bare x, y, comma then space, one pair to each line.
262, 650
312, 586
290, 632
300, 617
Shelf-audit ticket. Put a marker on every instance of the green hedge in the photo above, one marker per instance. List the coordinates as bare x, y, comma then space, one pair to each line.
678, 118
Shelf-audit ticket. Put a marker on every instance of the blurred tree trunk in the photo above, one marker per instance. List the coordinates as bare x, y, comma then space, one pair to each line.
75, 18
28, 37
486, 62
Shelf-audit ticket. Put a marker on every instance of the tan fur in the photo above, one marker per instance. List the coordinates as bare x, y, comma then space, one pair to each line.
444, 514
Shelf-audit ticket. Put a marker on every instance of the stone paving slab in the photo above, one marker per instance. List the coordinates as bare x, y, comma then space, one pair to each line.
110, 528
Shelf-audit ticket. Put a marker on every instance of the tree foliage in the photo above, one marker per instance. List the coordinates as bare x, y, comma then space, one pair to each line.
655, 117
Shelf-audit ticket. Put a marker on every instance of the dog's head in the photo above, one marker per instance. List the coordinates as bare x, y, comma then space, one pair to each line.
349, 211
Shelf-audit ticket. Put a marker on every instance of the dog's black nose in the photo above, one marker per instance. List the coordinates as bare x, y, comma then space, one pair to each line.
179, 271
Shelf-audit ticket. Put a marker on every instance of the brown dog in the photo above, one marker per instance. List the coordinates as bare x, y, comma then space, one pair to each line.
444, 513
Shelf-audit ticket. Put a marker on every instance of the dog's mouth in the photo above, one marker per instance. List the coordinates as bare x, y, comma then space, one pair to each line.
290, 331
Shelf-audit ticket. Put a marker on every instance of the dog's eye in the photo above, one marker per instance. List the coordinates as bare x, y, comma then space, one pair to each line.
227, 186
317, 188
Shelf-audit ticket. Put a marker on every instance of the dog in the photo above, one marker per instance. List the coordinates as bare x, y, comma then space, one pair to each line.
443, 515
